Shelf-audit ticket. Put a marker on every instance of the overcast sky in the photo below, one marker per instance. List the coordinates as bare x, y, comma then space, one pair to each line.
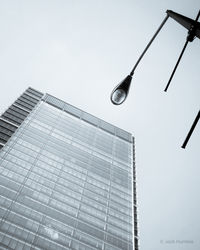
78, 50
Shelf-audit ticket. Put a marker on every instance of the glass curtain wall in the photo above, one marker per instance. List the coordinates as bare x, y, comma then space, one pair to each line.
65, 184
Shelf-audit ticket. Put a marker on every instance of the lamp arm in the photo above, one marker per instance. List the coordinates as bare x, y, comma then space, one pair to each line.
148, 45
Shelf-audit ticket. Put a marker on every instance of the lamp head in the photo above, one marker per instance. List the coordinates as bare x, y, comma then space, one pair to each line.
120, 92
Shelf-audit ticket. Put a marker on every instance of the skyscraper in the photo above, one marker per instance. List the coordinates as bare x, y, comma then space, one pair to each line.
67, 178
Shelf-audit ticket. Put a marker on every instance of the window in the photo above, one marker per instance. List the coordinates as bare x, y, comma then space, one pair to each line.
88, 240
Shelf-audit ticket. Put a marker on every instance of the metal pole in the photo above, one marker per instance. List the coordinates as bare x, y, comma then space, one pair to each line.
191, 130
185, 45
148, 45
198, 15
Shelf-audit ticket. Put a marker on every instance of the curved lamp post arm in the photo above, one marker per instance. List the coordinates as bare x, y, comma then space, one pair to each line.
148, 45
120, 92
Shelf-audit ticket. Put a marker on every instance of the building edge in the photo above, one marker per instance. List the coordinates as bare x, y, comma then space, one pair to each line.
135, 208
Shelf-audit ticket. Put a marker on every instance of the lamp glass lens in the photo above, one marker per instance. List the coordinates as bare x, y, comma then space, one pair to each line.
118, 96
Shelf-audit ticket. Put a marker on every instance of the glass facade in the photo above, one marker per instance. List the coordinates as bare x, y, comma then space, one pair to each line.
67, 181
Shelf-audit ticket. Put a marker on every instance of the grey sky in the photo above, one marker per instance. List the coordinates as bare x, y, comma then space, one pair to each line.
78, 51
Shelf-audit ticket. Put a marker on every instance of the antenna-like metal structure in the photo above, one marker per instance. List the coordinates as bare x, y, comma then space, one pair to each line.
193, 27
120, 92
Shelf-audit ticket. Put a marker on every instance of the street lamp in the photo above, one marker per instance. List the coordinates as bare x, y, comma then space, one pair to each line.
124, 85
120, 92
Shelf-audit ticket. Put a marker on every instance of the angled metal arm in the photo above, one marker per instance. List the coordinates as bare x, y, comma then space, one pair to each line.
191, 130
183, 50
148, 45
187, 22
193, 29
